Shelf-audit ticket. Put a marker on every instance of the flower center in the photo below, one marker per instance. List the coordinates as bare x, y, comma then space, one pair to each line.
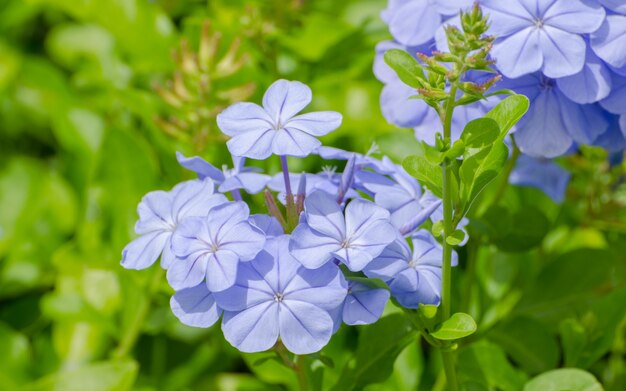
345, 243
539, 23
278, 297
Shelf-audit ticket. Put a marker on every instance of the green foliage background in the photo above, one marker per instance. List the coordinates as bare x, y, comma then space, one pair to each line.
81, 142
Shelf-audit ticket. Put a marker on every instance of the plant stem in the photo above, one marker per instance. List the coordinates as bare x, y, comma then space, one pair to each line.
448, 229
129, 338
301, 372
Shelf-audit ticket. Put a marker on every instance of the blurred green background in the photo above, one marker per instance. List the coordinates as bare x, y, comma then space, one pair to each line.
95, 98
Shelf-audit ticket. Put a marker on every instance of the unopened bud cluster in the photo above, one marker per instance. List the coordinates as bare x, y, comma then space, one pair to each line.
194, 96
469, 50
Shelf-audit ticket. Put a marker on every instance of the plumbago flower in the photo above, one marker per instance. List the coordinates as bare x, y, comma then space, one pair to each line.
211, 247
543, 174
326, 233
228, 179
276, 297
257, 132
160, 213
280, 276
413, 275
566, 54
542, 35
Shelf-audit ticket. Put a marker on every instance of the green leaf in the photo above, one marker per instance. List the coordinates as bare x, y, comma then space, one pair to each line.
458, 149
427, 173
455, 238
529, 343
407, 67
516, 230
486, 364
508, 112
478, 170
480, 132
437, 228
573, 339
570, 379
103, 376
378, 346
458, 326
428, 310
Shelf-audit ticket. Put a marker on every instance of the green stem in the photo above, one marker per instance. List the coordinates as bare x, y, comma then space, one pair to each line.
297, 364
448, 229
128, 340
301, 372
504, 182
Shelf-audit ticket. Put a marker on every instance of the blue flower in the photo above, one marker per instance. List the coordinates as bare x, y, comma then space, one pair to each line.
195, 306
541, 35
327, 181
614, 139
399, 194
276, 297
414, 277
553, 122
238, 177
618, 6
543, 174
269, 225
257, 132
609, 40
591, 84
211, 247
614, 103
414, 22
355, 239
364, 304
160, 213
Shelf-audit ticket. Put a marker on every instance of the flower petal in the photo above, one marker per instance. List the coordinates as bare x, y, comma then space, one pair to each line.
242, 118
584, 122
563, 52
284, 99
221, 270
195, 198
318, 123
256, 144
574, 16
254, 329
614, 103
304, 328
201, 167
242, 239
324, 287
293, 142
187, 272
544, 133
390, 262
251, 182
519, 53
610, 39
250, 288
506, 18
414, 23
398, 109
324, 215
142, 252
311, 248
223, 218
155, 212
269, 225
591, 84
364, 305
195, 306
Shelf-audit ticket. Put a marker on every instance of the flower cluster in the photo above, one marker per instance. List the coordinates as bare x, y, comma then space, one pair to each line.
316, 260
567, 56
